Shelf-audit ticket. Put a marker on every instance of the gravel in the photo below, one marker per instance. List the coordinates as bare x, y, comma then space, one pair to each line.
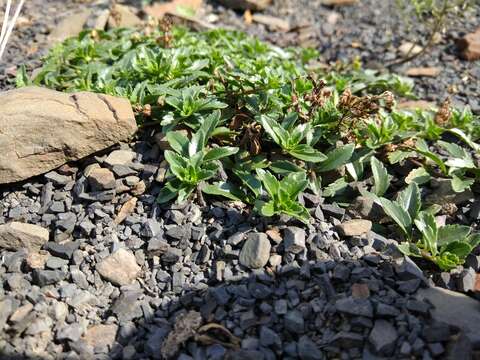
101, 285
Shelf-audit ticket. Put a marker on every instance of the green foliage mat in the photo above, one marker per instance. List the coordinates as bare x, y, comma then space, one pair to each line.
255, 123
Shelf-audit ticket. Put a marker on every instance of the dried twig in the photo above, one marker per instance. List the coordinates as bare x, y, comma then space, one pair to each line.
8, 25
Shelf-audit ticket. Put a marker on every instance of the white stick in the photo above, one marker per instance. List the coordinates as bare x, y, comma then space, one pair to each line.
5, 20
10, 28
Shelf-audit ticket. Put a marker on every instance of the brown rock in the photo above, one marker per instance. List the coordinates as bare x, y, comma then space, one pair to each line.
274, 234
339, 2
139, 188
53, 128
416, 104
255, 5
360, 291
354, 227
100, 335
122, 16
159, 10
126, 210
70, 26
423, 71
469, 46
120, 268
21, 312
273, 22
16, 235
101, 179
37, 260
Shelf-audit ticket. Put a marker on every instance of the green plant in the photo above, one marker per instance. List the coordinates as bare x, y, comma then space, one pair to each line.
290, 137
191, 162
283, 195
446, 246
240, 115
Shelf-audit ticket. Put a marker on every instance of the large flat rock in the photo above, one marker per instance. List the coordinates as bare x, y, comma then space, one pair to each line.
454, 309
41, 129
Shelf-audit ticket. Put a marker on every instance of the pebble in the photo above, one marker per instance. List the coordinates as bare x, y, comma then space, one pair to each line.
354, 227
255, 251
120, 268
383, 337
294, 240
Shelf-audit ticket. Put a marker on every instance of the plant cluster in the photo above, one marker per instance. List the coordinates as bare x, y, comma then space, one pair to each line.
255, 123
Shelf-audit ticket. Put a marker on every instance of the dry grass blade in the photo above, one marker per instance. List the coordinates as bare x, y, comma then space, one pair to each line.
8, 25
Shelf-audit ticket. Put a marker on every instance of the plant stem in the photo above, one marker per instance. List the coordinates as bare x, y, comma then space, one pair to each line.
439, 21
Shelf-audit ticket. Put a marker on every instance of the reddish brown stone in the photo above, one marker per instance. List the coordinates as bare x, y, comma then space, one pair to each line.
469, 46
360, 291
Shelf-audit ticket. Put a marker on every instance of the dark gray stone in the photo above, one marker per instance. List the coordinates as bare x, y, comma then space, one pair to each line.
308, 350
47, 277
355, 307
294, 322
383, 337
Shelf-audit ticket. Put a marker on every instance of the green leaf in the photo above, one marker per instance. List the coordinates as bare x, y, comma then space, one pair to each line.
272, 185
459, 185
184, 193
294, 184
307, 153
418, 176
178, 141
398, 214
336, 158
410, 200
177, 163
380, 177
409, 249
399, 155
427, 225
467, 139
209, 124
221, 152
274, 129
299, 212
422, 148
460, 249
197, 143
224, 189
453, 149
447, 261
451, 233
168, 192
21, 79
284, 167
265, 209
335, 187
473, 240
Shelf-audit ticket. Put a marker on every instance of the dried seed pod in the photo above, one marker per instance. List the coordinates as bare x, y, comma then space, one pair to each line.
443, 115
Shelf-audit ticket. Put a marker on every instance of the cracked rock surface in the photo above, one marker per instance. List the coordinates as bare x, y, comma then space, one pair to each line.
42, 129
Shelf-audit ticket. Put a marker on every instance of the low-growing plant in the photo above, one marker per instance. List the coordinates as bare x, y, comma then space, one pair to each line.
283, 195
446, 246
251, 122
191, 161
